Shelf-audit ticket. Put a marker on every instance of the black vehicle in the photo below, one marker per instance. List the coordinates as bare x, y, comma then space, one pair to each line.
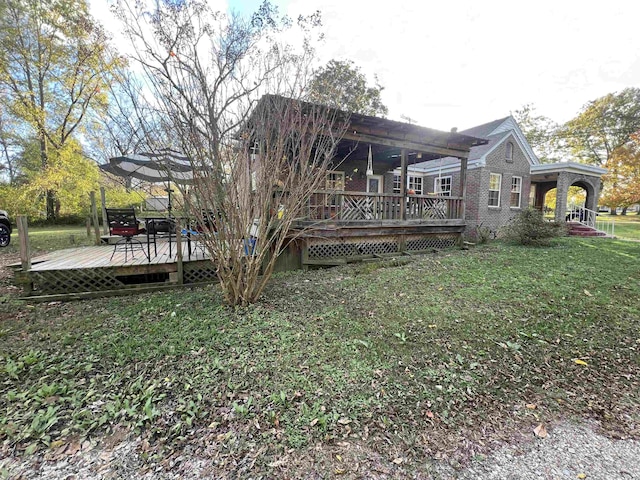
5, 229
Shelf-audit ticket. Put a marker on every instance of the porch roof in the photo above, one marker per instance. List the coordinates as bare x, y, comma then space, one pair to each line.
546, 172
389, 137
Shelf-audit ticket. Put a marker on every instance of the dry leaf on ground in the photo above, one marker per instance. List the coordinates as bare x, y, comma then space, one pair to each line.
540, 431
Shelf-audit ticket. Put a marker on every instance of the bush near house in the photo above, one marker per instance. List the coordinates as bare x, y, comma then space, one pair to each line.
531, 228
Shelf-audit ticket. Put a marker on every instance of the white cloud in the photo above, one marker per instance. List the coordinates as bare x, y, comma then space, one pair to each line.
467, 62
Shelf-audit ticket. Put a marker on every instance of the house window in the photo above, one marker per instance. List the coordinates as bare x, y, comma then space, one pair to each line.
396, 184
516, 191
494, 189
415, 184
508, 153
335, 180
442, 186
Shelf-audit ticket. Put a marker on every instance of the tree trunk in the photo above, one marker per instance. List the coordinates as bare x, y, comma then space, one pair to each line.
614, 210
624, 211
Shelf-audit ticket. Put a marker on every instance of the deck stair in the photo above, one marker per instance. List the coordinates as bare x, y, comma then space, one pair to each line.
579, 230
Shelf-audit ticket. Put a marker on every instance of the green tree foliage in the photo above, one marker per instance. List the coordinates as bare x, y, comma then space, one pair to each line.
69, 173
541, 132
54, 67
604, 125
341, 84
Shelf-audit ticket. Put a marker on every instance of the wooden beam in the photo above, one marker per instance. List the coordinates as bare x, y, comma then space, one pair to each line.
25, 251
179, 252
463, 186
94, 215
103, 201
411, 145
403, 183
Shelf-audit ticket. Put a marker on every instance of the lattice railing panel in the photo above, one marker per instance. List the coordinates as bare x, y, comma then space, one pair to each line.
352, 247
427, 242
199, 273
51, 282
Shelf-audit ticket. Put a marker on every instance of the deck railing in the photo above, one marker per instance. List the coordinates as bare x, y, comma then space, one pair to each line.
360, 206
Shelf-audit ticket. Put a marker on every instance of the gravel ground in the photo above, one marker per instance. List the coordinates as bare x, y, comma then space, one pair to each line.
569, 451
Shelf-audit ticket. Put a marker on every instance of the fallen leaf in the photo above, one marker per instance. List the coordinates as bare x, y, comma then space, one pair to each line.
398, 461
582, 475
429, 414
339, 471
540, 431
339, 458
313, 422
531, 406
55, 444
344, 421
587, 293
580, 362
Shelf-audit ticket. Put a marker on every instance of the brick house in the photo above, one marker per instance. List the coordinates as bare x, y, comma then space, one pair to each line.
503, 177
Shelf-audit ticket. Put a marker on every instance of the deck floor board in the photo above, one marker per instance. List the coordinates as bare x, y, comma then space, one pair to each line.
100, 257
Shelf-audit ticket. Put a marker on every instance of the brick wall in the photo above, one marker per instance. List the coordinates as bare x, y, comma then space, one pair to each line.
496, 217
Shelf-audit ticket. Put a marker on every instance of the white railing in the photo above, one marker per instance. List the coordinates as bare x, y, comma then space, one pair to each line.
589, 218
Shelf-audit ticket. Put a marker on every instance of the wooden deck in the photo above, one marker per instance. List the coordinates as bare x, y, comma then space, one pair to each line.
91, 270
100, 256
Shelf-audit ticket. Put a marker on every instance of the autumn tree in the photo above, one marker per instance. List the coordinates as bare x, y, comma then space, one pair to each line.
603, 126
622, 182
341, 84
255, 157
54, 67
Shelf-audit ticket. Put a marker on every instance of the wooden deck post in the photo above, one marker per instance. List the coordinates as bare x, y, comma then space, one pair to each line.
463, 187
403, 183
179, 252
94, 215
25, 251
105, 222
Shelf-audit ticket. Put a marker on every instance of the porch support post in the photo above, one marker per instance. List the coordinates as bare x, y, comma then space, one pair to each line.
463, 187
403, 183
561, 196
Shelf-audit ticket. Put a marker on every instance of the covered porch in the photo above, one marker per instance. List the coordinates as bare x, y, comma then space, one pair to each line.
562, 175
366, 210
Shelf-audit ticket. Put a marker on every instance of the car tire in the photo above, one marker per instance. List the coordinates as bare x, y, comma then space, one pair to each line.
5, 235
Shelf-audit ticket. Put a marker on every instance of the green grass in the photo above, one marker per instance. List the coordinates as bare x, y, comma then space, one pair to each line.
626, 226
411, 358
50, 238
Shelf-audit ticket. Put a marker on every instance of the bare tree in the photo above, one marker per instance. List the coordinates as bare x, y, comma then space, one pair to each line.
255, 161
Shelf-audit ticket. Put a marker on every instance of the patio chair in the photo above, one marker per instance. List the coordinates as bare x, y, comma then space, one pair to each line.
123, 223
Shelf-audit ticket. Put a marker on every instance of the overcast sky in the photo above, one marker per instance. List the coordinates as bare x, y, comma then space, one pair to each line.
465, 62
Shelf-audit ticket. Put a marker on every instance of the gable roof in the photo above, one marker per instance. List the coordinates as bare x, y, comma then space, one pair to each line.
485, 129
495, 132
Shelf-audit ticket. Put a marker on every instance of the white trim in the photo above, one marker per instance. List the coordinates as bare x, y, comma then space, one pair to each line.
519, 192
569, 167
414, 177
380, 180
437, 183
508, 155
510, 124
499, 190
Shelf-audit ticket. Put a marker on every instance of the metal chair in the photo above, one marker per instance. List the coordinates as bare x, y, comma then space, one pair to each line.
123, 223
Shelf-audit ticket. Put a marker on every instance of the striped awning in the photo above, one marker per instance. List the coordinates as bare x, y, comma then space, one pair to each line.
163, 166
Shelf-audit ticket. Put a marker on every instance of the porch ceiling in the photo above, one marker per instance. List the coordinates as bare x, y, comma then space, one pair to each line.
384, 158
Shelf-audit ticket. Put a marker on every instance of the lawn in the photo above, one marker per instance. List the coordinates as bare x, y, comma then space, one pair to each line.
437, 356
50, 238
626, 226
